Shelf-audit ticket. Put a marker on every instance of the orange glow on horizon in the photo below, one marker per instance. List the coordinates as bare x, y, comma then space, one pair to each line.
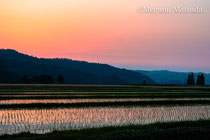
105, 31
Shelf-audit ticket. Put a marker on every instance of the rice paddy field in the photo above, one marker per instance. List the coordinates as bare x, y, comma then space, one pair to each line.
50, 111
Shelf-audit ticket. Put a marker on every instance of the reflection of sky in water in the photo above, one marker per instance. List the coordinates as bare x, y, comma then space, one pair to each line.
47, 120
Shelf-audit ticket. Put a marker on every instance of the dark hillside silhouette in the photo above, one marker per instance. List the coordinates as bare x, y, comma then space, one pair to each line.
25, 80
7, 76
144, 82
42, 79
172, 77
74, 72
60, 79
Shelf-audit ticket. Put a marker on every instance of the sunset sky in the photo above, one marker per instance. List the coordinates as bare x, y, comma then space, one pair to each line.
109, 31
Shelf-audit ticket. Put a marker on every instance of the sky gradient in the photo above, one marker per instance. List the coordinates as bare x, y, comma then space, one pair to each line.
109, 31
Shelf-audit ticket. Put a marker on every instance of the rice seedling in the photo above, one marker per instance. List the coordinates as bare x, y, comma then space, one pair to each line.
48, 120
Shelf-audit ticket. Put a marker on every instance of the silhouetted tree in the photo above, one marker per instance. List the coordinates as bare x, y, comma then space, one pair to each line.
191, 79
188, 79
198, 80
60, 79
202, 79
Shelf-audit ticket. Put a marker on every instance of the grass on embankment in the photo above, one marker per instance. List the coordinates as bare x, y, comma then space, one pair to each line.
95, 88
8, 92
37, 97
105, 104
186, 130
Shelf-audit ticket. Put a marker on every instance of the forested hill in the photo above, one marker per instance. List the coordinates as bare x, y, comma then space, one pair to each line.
171, 77
14, 65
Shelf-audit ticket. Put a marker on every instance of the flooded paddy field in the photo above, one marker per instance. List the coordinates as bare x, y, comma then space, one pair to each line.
46, 108
48, 120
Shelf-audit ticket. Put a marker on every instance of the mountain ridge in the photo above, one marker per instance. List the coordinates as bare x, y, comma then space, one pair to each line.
75, 72
171, 77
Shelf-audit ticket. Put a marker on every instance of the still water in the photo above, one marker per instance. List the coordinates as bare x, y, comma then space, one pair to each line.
47, 120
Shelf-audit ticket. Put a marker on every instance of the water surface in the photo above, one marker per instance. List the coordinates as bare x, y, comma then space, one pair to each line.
47, 120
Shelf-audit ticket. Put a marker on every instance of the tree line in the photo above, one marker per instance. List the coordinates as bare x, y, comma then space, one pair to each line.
200, 79
48, 79
42, 79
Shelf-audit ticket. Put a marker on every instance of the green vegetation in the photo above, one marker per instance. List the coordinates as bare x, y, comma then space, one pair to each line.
106, 104
186, 130
9, 92
100, 92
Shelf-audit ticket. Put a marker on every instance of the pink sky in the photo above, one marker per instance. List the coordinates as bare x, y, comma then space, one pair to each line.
109, 31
